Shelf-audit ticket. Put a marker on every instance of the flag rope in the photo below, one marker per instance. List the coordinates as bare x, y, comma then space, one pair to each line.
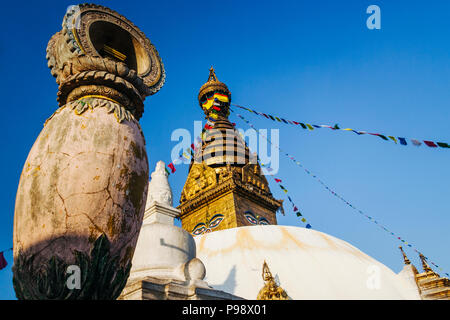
310, 127
340, 197
278, 181
3, 262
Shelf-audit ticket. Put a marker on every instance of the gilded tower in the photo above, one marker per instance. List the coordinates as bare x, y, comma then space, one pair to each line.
225, 187
431, 285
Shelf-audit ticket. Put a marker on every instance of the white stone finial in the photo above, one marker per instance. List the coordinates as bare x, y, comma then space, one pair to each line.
158, 208
158, 188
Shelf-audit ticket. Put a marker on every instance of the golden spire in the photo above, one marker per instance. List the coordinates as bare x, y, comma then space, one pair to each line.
270, 291
405, 258
213, 85
266, 274
212, 75
425, 266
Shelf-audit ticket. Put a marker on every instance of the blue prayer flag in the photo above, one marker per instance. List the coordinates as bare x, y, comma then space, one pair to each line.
402, 141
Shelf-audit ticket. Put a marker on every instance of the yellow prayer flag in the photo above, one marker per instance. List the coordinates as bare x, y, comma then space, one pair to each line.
220, 97
393, 138
208, 104
309, 127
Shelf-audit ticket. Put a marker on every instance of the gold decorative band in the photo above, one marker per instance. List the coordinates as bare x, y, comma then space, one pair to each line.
113, 52
100, 97
75, 35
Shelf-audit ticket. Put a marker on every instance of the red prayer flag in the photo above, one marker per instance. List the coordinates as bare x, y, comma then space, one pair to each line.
216, 108
277, 180
430, 144
192, 146
208, 126
295, 209
3, 262
172, 168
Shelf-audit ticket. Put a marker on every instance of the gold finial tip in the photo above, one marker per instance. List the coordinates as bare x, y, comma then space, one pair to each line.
212, 75
425, 265
405, 258
213, 84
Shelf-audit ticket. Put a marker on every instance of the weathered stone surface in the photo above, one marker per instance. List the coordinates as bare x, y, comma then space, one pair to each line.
86, 175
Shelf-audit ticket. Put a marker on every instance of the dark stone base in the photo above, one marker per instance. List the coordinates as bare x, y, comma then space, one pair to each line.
101, 276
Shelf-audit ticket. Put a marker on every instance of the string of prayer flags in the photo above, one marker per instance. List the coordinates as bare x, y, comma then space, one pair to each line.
294, 207
172, 167
209, 125
402, 140
216, 96
3, 262
373, 220
185, 155
431, 144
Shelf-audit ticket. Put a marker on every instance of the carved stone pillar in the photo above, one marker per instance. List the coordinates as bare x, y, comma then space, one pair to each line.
82, 192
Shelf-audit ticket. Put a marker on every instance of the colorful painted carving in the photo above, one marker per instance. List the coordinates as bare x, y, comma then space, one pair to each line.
255, 219
207, 227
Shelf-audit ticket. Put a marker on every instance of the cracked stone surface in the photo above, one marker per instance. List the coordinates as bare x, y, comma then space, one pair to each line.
85, 175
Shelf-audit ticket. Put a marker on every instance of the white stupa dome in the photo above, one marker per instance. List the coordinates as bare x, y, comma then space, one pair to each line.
308, 265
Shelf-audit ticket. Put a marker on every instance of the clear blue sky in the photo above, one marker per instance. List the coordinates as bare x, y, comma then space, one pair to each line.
310, 61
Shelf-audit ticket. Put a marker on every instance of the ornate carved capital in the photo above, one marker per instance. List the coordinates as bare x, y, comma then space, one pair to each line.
98, 48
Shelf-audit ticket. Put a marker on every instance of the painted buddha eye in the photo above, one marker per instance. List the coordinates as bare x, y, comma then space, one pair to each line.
250, 217
216, 220
199, 229
263, 221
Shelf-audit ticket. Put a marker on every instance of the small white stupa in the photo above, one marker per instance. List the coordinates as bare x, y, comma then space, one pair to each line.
164, 264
